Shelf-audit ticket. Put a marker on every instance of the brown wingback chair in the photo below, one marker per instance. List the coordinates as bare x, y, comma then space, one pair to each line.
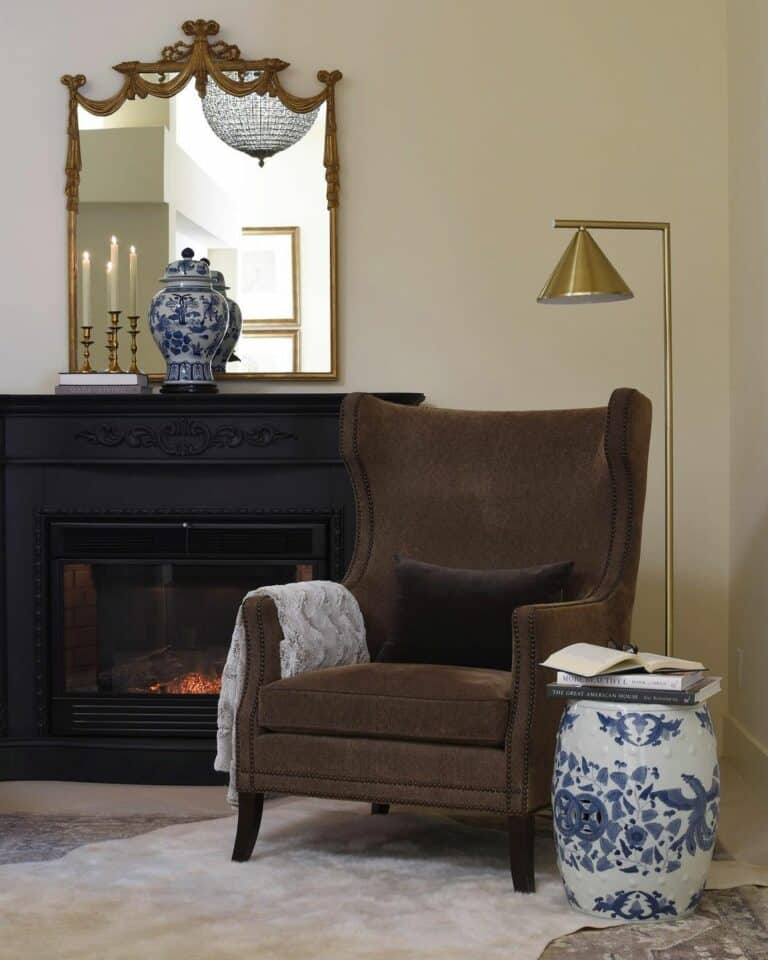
461, 489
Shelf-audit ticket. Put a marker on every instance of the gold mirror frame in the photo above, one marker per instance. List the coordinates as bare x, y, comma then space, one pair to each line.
200, 59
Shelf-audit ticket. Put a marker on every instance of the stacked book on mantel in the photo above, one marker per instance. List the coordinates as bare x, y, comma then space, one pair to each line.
591, 672
103, 383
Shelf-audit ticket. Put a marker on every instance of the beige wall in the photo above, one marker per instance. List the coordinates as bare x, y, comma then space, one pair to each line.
464, 127
747, 730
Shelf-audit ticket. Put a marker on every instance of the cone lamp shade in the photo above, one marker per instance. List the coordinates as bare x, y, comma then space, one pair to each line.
584, 275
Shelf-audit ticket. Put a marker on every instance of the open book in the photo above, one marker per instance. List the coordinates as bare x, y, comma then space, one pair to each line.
591, 660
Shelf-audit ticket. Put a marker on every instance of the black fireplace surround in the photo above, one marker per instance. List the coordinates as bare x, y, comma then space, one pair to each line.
131, 527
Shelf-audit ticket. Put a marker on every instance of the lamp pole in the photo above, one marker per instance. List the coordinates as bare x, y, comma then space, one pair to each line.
663, 228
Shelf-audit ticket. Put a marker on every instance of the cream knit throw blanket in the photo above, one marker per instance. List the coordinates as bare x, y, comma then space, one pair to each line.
322, 627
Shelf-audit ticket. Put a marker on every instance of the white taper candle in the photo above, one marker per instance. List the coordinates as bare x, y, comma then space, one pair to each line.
85, 289
111, 292
133, 273
114, 251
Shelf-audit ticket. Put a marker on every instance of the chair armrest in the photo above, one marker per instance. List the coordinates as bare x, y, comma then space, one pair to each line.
261, 665
537, 631
263, 635
297, 628
253, 658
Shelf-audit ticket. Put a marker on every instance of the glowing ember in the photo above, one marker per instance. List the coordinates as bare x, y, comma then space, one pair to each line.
188, 683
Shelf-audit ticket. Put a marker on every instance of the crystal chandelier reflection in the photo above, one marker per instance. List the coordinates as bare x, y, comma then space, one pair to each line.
257, 124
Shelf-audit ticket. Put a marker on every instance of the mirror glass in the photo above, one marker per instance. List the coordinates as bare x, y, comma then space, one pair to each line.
156, 177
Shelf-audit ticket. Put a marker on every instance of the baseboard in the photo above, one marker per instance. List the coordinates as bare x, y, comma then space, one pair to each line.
748, 755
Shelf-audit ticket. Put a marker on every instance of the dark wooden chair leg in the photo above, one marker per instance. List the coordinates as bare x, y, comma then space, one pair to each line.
521, 836
249, 810
379, 808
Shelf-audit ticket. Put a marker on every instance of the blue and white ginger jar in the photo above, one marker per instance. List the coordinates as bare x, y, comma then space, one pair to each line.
635, 801
226, 348
188, 320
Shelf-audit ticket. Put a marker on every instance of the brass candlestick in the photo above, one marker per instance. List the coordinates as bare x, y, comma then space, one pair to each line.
113, 344
133, 333
85, 366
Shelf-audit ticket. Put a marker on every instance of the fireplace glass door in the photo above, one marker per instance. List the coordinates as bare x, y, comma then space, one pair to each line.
154, 628
140, 635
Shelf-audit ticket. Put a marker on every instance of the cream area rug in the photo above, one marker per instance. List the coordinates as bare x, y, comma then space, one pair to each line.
327, 881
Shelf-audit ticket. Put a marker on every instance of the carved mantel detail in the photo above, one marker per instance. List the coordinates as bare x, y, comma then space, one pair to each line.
183, 437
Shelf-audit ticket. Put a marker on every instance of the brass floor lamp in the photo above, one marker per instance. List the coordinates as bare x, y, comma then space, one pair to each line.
585, 275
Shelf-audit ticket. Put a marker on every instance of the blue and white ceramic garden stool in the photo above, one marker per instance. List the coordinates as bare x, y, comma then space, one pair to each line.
635, 801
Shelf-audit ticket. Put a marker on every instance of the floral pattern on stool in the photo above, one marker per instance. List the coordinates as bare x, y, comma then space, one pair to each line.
635, 799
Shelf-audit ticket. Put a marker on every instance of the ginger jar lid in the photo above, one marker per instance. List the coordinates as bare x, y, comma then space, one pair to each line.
218, 281
188, 268
217, 277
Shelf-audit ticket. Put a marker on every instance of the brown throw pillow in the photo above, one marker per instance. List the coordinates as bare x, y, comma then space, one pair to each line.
463, 617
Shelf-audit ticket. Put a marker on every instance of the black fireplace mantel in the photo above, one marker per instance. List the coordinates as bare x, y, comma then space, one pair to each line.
153, 428
114, 459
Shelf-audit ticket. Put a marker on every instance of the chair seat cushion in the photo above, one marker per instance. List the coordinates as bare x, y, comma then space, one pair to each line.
392, 701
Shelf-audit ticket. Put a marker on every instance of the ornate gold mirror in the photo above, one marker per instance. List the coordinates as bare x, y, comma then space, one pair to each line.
205, 150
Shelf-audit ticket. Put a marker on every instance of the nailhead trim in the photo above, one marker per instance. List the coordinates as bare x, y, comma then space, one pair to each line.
513, 710
349, 467
614, 504
628, 526
357, 471
531, 706
301, 792
303, 691
252, 719
630, 491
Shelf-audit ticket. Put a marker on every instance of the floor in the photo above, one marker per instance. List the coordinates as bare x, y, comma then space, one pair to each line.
44, 820
111, 799
740, 810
